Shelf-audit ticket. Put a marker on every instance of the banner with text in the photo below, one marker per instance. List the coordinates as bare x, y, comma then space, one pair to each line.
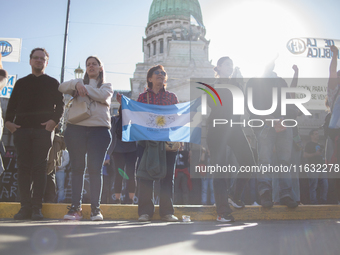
312, 47
10, 49
7, 90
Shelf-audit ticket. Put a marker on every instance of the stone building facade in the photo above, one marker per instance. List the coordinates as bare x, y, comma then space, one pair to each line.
171, 40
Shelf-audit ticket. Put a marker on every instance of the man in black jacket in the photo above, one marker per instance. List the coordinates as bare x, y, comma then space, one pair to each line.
34, 109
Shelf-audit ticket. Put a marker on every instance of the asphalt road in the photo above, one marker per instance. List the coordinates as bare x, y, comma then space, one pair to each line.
130, 237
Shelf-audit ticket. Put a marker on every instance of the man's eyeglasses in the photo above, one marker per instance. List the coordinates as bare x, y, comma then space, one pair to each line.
160, 72
39, 58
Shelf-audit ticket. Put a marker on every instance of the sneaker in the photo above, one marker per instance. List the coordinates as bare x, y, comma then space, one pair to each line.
235, 203
144, 217
256, 204
23, 214
96, 215
74, 213
116, 201
289, 202
225, 218
266, 199
36, 214
169, 218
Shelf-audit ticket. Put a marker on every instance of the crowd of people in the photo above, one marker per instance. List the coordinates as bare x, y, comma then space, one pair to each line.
92, 141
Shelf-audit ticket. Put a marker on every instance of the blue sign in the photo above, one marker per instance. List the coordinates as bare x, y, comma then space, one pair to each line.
5, 48
7, 90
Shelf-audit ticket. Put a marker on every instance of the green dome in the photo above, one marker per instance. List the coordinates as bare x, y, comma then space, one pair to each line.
161, 9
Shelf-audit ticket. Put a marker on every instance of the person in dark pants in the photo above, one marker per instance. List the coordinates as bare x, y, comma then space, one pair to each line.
54, 160
124, 156
182, 177
314, 155
219, 137
34, 110
145, 194
88, 140
275, 141
156, 94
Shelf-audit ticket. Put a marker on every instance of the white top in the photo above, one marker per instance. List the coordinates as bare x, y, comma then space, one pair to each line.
100, 107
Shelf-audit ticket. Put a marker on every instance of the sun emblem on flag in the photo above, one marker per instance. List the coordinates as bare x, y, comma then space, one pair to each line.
160, 121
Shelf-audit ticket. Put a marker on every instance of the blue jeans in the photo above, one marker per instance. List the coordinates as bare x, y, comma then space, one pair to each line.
93, 141
316, 179
207, 183
282, 142
32, 146
296, 160
181, 189
60, 178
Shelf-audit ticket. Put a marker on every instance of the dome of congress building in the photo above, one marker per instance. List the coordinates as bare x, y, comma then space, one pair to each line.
170, 9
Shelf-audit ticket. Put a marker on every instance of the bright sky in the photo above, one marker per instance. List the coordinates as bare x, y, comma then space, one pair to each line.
249, 31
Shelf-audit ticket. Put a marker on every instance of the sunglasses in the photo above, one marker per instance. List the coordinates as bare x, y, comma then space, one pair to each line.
160, 72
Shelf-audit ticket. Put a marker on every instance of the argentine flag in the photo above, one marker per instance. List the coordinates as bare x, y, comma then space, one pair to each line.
175, 123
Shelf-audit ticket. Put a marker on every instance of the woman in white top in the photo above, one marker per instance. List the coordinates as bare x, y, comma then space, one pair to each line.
89, 137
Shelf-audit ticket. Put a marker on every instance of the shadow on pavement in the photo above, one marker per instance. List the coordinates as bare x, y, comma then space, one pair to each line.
124, 237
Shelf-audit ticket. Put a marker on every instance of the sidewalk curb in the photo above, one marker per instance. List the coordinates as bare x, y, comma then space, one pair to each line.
196, 212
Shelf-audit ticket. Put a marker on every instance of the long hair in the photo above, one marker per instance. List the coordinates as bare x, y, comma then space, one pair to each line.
150, 73
100, 79
219, 63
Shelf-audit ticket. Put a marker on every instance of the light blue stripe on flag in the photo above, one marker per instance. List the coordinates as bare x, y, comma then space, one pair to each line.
176, 123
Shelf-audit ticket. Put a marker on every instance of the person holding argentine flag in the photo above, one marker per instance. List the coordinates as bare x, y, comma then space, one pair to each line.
156, 94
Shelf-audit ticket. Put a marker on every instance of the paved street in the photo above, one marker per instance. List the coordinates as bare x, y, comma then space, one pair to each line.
129, 237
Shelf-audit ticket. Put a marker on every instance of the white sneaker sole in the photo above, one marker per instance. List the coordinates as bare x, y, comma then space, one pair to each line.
223, 220
71, 217
231, 202
97, 218
144, 219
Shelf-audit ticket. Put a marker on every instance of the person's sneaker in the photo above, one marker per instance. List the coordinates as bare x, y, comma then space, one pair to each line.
169, 218
235, 203
23, 214
36, 214
225, 218
289, 202
144, 217
266, 199
74, 213
96, 215
255, 204
116, 201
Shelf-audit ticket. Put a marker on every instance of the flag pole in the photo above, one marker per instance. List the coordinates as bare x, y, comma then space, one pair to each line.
190, 37
65, 43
